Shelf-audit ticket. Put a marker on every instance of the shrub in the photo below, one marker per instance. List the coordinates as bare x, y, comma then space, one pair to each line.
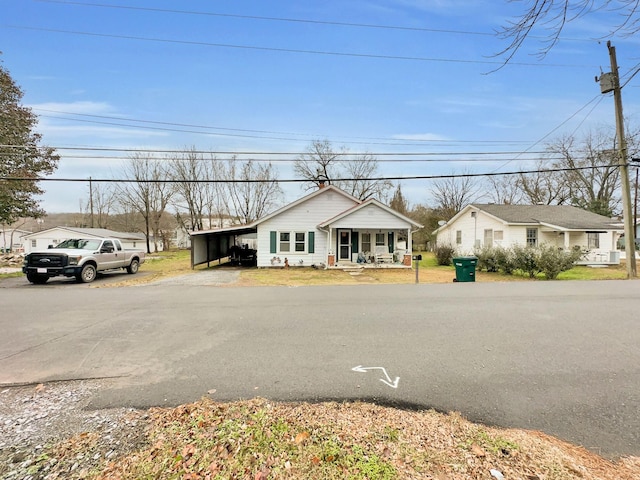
487, 258
552, 260
525, 259
505, 259
444, 254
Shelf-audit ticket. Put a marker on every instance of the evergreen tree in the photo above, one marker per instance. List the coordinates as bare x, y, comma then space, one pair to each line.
21, 156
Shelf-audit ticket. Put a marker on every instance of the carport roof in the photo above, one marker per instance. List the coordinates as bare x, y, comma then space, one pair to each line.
233, 230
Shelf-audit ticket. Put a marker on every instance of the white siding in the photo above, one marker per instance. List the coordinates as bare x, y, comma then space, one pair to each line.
372, 217
303, 217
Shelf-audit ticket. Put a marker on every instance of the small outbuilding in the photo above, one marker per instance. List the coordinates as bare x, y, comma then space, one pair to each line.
53, 236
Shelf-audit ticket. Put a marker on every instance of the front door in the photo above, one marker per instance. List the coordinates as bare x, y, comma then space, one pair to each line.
344, 245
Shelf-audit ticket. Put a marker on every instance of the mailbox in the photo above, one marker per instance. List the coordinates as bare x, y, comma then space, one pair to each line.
417, 257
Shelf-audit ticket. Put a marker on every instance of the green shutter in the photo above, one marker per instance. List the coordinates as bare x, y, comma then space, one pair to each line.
274, 242
391, 248
354, 242
312, 242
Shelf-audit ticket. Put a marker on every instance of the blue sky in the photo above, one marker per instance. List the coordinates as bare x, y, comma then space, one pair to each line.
262, 82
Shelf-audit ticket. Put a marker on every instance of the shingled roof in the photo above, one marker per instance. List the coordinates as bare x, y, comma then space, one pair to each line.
564, 216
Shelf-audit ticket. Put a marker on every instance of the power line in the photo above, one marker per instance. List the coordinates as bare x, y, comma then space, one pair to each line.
291, 50
273, 19
297, 180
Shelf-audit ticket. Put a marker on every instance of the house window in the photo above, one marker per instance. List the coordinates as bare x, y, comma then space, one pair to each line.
488, 237
285, 242
532, 237
593, 240
33, 243
458, 237
379, 239
366, 242
300, 241
498, 235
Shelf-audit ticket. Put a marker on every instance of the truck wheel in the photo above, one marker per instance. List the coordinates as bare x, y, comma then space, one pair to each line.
37, 279
133, 266
88, 274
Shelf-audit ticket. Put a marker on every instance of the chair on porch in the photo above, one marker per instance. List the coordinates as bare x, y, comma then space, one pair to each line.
382, 254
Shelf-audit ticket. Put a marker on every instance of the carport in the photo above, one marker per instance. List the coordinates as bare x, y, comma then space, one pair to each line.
210, 245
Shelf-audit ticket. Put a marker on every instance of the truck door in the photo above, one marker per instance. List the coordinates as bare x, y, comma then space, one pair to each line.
108, 256
121, 257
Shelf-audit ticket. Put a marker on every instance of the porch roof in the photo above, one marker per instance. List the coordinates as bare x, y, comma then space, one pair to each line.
367, 203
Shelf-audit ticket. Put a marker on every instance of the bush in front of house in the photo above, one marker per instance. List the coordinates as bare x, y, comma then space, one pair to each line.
444, 254
552, 260
546, 259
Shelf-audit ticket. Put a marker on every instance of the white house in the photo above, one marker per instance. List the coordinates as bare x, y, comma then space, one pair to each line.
12, 240
53, 236
328, 227
565, 226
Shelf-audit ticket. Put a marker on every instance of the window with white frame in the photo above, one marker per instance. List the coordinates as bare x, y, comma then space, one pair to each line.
379, 239
285, 242
458, 237
498, 235
593, 240
532, 237
300, 245
33, 243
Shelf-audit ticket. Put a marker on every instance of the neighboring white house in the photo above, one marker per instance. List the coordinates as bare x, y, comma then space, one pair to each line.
328, 227
564, 226
53, 236
12, 240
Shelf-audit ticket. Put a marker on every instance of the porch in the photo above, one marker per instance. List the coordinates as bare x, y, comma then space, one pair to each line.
600, 258
365, 248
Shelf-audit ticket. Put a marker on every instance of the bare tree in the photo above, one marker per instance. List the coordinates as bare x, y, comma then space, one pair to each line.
102, 199
195, 188
504, 190
147, 192
355, 175
452, 194
252, 189
361, 173
544, 187
554, 15
318, 164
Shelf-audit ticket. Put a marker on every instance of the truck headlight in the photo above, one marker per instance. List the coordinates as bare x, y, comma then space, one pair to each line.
74, 260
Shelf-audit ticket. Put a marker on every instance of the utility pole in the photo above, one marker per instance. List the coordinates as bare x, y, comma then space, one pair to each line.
611, 82
91, 200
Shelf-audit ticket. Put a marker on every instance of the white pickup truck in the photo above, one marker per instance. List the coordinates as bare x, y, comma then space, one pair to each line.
82, 258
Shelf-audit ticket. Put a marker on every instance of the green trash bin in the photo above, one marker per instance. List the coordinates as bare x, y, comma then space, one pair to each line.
465, 269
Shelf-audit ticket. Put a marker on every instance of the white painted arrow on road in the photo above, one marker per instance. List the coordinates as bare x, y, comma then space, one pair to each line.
386, 381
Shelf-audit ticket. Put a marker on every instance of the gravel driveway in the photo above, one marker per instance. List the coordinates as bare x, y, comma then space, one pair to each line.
204, 277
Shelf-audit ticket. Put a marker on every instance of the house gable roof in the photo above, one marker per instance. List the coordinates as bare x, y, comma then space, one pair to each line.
562, 216
366, 204
94, 232
320, 191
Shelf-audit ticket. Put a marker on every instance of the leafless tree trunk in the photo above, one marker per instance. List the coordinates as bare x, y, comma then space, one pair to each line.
504, 190
147, 193
452, 194
360, 171
355, 175
594, 180
252, 189
543, 187
196, 191
104, 199
319, 164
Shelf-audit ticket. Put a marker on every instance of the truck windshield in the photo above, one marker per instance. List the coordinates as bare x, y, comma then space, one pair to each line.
81, 244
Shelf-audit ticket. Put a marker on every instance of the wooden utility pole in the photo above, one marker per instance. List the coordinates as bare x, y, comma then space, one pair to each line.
627, 212
91, 200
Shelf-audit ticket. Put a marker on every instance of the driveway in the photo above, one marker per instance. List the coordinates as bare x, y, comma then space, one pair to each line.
561, 357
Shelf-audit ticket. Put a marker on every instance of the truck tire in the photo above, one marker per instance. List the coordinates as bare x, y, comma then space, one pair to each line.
88, 274
133, 266
37, 279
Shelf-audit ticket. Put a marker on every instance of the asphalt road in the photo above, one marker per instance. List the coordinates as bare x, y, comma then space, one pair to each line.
561, 357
